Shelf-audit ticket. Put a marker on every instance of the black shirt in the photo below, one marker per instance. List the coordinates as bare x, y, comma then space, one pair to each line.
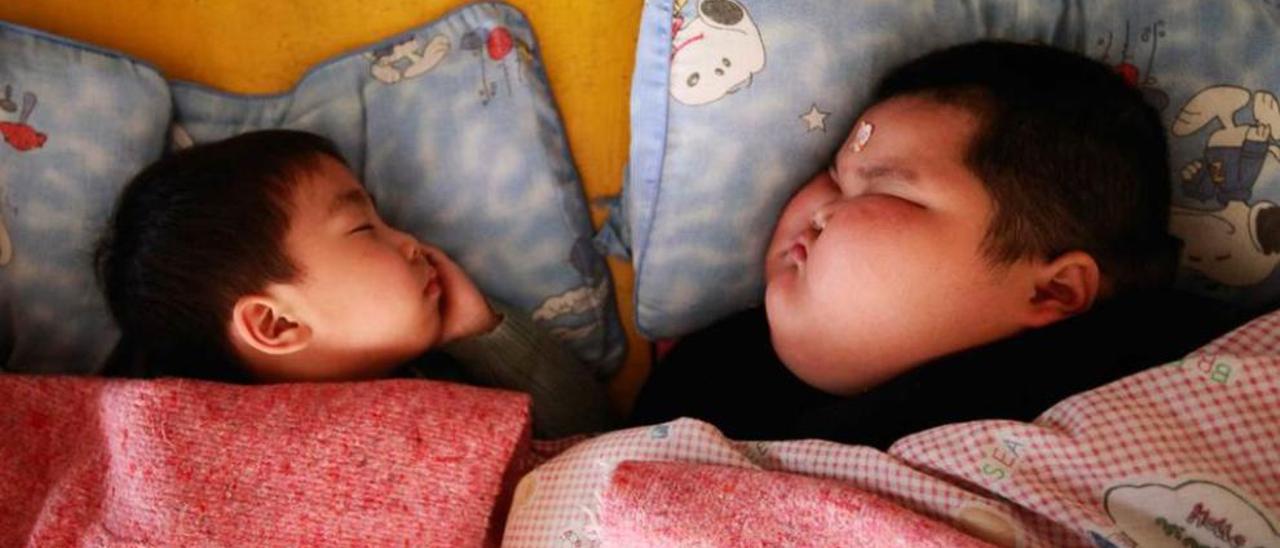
730, 376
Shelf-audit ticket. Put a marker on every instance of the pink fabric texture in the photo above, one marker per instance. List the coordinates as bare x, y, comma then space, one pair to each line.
678, 504
91, 461
1184, 454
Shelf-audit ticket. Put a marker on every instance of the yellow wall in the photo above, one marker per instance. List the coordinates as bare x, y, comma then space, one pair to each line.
262, 46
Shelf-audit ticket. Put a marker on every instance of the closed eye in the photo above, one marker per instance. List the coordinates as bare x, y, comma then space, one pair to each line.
361, 228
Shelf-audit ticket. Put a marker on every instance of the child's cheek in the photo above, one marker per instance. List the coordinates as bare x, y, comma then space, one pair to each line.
800, 209
882, 215
877, 236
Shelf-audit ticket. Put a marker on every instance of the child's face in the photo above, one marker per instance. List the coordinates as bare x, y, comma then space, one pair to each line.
369, 295
877, 264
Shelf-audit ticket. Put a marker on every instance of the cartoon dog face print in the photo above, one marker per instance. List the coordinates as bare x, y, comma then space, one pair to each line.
1238, 245
715, 54
1235, 153
407, 59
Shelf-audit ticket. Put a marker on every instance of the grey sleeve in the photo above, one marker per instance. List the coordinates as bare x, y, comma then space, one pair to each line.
519, 355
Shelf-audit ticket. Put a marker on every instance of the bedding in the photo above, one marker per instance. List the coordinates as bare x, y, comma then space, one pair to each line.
451, 126
1186, 452
735, 103
77, 124
91, 461
682, 504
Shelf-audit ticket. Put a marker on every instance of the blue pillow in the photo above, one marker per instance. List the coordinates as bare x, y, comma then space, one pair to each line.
1212, 68
736, 103
77, 123
454, 131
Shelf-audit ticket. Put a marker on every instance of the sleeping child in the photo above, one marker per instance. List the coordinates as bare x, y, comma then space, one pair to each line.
991, 238
261, 258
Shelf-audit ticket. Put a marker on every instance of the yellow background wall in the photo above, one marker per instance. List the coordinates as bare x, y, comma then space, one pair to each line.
264, 46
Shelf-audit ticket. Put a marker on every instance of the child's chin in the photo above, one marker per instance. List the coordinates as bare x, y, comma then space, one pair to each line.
777, 294
800, 364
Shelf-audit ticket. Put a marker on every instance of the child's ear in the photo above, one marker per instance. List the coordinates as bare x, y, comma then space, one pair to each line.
1064, 287
261, 323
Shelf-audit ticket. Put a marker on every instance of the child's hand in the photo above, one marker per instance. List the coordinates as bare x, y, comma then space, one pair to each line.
464, 311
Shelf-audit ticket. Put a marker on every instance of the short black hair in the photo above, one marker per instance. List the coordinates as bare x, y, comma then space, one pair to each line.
191, 234
1071, 154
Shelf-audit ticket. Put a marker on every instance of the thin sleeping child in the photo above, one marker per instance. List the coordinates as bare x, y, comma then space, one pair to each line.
990, 239
261, 258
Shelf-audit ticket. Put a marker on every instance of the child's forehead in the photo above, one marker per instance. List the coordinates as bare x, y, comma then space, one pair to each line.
907, 130
913, 111
325, 187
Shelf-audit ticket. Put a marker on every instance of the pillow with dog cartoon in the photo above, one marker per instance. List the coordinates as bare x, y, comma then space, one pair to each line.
453, 130
736, 103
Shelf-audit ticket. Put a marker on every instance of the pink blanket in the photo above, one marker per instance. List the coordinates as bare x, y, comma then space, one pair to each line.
1186, 454
684, 504
93, 461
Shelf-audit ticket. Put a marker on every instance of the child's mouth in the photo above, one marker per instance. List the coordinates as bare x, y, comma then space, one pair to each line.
433, 286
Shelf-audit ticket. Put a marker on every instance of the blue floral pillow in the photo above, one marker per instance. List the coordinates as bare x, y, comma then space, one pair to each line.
454, 131
736, 103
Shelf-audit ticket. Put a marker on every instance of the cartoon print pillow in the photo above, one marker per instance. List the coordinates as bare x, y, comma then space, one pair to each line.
454, 131
1224, 126
736, 103
77, 122
1211, 71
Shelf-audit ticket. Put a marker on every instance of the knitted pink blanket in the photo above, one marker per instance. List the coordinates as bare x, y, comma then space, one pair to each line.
90, 461
686, 504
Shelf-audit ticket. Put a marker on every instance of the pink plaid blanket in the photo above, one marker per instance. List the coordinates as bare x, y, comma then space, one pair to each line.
1187, 454
88, 461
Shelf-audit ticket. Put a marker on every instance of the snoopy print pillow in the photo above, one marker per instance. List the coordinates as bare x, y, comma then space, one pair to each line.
452, 127
736, 103
1211, 69
76, 123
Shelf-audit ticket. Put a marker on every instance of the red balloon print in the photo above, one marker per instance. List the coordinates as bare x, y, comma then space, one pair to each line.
1128, 72
499, 43
21, 136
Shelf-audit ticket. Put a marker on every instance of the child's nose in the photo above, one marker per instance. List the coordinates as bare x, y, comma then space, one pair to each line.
818, 222
411, 247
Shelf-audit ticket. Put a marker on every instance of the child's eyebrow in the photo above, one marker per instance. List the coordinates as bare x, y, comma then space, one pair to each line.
356, 197
887, 171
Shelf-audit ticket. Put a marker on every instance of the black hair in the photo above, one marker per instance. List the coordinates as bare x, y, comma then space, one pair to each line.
191, 234
1072, 156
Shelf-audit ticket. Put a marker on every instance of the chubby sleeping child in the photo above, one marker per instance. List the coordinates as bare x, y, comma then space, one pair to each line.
991, 238
261, 258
